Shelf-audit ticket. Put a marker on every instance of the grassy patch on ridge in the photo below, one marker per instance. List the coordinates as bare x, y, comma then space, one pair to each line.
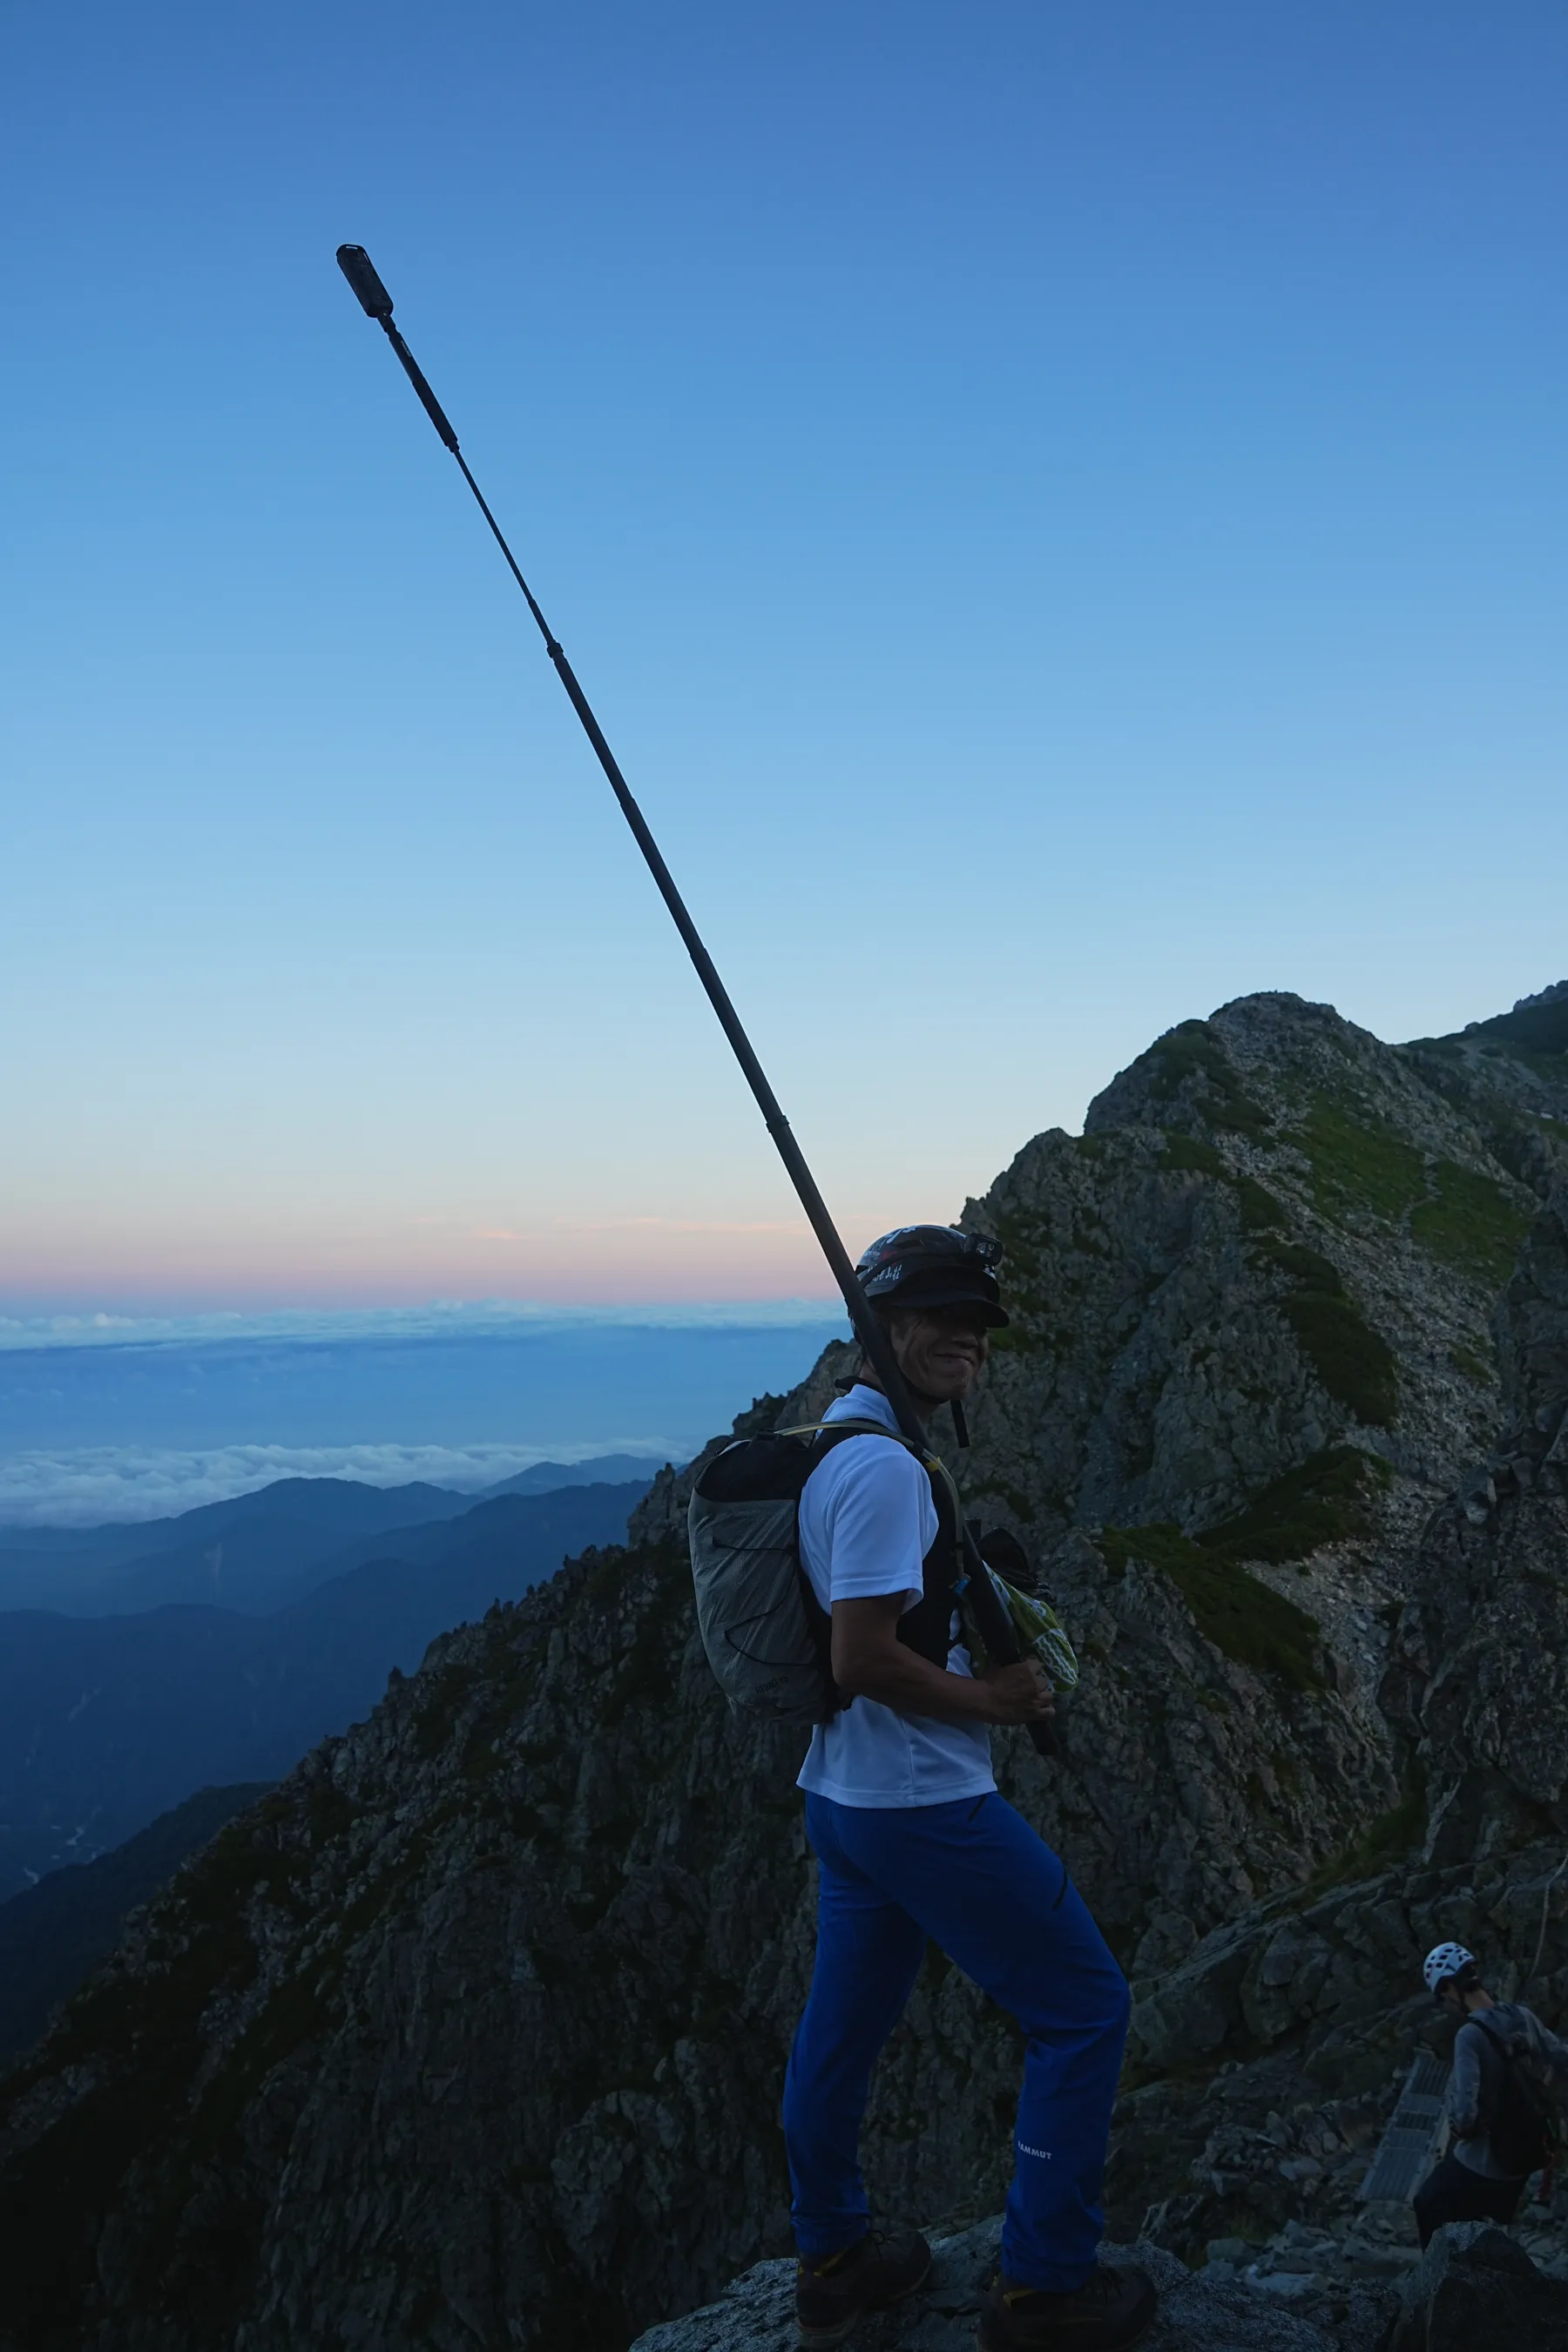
1388, 1840
1471, 1224
1242, 1616
1359, 1161
1192, 1050
1354, 1363
1323, 1500
1260, 1211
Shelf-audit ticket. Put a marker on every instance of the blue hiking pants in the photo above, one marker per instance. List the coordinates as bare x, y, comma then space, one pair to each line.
974, 1877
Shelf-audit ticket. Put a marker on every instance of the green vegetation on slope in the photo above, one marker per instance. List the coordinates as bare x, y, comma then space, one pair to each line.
1470, 1224
1354, 1363
1035, 1329
1186, 1153
1383, 1843
1194, 1050
1259, 1210
1242, 1616
1536, 1033
1322, 1501
1359, 1161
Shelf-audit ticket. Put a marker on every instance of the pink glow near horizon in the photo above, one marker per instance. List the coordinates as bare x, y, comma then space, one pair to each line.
642, 1261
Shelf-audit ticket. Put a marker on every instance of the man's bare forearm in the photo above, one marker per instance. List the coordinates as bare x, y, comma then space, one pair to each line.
870, 1661
900, 1678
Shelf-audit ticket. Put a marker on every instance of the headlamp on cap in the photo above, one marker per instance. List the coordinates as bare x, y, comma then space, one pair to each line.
934, 1265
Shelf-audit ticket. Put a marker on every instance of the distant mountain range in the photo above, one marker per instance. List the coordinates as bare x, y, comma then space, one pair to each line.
108, 1721
254, 1553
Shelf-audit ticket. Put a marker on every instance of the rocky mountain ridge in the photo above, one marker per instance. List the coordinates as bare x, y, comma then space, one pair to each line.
473, 2031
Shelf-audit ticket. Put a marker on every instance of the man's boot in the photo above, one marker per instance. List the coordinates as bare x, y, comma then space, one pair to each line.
833, 2291
1111, 2309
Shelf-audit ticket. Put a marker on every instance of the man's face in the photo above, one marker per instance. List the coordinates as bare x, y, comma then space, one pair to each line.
941, 1349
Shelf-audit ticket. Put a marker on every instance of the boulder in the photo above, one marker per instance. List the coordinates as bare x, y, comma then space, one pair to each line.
1473, 2287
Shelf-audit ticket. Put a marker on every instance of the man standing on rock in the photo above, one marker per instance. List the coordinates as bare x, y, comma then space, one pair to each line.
913, 1840
1504, 2059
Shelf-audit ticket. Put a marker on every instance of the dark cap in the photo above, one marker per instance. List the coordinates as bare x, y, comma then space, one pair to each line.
934, 1265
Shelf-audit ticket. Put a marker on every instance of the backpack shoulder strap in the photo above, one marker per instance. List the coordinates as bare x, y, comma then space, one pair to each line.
1506, 2045
825, 1435
1515, 2053
924, 1628
832, 1431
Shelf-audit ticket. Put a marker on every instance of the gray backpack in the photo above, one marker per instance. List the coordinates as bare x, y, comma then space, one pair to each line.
767, 1636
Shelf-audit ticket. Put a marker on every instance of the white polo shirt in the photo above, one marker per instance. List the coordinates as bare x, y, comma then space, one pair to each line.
866, 1522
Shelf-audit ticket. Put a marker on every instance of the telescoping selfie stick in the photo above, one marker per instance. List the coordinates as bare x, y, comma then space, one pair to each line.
995, 1626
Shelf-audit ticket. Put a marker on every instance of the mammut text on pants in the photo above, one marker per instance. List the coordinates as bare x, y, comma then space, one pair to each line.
975, 1877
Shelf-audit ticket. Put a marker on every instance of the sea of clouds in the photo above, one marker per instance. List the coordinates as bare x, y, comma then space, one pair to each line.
440, 1320
106, 1417
90, 1486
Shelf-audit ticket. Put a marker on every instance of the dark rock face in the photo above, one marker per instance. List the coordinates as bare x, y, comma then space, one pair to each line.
1311, 2007
1532, 1322
474, 2030
1476, 2286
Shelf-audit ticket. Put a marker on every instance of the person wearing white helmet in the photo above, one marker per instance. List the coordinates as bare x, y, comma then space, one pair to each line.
1509, 2074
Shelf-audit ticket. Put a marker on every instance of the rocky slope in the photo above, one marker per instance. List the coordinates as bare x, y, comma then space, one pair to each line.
1195, 2314
472, 2031
1475, 2285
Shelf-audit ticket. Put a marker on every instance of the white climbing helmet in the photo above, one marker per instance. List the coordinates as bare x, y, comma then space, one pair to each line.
1443, 1961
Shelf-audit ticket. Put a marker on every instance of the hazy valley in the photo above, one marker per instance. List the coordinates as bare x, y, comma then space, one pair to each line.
107, 1720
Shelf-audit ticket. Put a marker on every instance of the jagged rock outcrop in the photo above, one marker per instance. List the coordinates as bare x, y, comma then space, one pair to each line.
473, 2031
1476, 2286
1310, 2009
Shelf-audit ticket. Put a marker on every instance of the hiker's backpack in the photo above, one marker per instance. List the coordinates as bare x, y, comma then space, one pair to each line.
1522, 2119
767, 1636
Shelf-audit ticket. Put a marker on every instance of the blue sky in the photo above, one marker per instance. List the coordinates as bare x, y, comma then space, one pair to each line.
1060, 509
